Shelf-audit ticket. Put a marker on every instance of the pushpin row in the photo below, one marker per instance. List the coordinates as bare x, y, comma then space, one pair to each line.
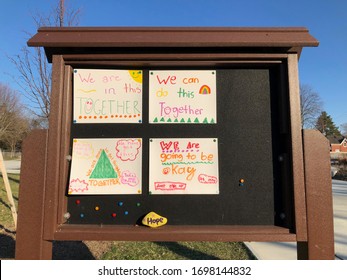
97, 208
113, 215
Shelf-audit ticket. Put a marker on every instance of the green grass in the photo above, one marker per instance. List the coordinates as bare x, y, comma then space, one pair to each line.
178, 251
123, 250
6, 220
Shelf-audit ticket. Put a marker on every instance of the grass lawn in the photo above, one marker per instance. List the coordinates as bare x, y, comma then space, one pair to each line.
6, 219
113, 250
178, 251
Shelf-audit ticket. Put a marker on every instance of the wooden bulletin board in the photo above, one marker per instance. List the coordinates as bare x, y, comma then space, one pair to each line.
243, 139
201, 125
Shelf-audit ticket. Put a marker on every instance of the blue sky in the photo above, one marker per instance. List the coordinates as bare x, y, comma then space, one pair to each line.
323, 68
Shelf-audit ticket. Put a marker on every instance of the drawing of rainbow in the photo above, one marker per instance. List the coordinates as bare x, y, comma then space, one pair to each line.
205, 89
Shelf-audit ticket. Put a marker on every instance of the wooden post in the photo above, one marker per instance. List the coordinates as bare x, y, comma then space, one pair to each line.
320, 226
8, 189
297, 149
30, 244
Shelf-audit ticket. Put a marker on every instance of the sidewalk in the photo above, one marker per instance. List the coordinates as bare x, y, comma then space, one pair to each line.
12, 166
287, 250
273, 250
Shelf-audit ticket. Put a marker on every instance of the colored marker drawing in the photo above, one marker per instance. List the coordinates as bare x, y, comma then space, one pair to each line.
107, 96
128, 149
205, 89
82, 149
103, 168
206, 179
169, 186
180, 96
129, 178
183, 166
78, 186
105, 173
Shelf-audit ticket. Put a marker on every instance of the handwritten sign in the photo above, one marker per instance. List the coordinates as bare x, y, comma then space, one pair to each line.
182, 97
106, 166
107, 96
183, 166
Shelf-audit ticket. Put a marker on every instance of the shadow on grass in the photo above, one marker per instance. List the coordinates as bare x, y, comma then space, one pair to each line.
5, 204
71, 250
209, 250
7, 246
62, 250
14, 180
10, 178
185, 252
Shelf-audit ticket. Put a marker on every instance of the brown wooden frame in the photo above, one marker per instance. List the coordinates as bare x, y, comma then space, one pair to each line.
169, 47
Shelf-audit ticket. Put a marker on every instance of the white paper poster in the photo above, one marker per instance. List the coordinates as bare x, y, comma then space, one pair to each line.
183, 166
179, 97
107, 96
106, 166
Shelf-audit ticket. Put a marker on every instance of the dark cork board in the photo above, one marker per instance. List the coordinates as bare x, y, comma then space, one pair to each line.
248, 140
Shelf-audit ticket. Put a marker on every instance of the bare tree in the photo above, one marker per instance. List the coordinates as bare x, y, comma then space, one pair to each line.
35, 74
16, 133
311, 106
9, 107
13, 124
34, 79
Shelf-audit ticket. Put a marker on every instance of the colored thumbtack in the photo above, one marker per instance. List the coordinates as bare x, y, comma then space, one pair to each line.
114, 215
97, 208
120, 203
78, 201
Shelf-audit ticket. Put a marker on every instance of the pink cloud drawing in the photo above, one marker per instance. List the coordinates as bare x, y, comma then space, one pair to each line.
128, 149
129, 178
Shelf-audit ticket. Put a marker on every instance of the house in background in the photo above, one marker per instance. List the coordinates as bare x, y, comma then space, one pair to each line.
338, 144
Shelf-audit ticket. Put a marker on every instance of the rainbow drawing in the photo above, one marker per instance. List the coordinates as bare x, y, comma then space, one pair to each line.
205, 89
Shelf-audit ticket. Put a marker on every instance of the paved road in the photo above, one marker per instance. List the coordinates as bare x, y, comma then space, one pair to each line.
287, 250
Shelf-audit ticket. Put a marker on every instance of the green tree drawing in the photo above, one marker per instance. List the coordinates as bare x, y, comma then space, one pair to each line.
103, 168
